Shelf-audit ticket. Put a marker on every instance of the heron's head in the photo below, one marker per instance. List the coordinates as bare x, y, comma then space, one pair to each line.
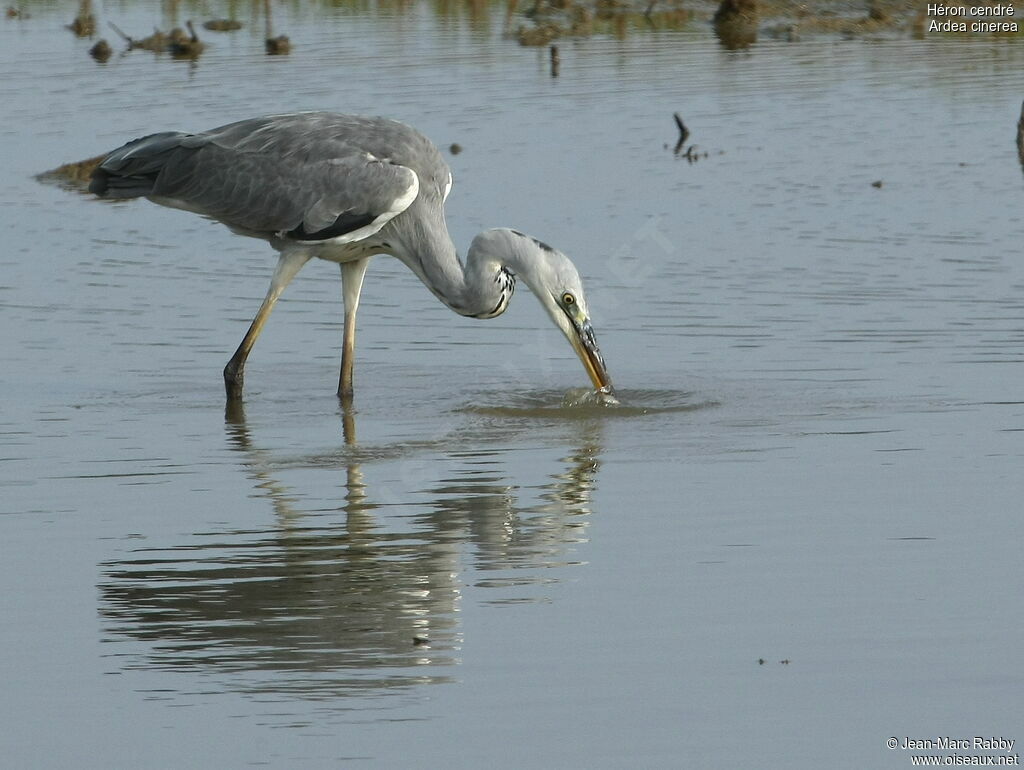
555, 281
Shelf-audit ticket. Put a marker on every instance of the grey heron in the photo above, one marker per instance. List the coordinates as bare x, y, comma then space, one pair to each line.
344, 188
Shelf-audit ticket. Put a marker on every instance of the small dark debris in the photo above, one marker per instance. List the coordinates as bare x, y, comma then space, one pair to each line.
877, 184
455, 148
760, 661
278, 46
735, 24
692, 154
539, 35
222, 25
420, 640
185, 46
101, 51
84, 24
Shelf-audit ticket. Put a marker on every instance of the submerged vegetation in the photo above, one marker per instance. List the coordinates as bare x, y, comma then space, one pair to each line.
737, 23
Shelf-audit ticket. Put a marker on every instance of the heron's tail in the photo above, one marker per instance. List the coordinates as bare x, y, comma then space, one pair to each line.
131, 171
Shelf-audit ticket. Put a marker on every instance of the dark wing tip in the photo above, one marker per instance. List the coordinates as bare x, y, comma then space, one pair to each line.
131, 170
344, 224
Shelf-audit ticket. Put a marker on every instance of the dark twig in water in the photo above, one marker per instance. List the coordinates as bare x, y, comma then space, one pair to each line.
691, 153
157, 42
274, 46
684, 132
648, 14
1020, 136
555, 61
121, 33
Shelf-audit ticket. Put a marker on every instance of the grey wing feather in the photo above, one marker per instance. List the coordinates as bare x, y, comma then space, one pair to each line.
311, 176
129, 171
264, 193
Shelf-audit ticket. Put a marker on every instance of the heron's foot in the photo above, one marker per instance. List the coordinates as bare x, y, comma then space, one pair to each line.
345, 399
234, 414
345, 389
234, 378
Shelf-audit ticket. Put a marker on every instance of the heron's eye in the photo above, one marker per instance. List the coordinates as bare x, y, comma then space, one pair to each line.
568, 299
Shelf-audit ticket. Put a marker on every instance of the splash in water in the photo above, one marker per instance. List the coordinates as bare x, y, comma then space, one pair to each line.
578, 397
586, 403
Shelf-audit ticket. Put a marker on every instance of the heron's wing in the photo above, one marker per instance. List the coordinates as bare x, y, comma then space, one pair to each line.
346, 195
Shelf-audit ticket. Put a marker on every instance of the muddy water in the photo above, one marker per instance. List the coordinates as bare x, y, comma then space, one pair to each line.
817, 460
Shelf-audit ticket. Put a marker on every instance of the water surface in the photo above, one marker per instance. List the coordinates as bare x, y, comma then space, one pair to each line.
817, 460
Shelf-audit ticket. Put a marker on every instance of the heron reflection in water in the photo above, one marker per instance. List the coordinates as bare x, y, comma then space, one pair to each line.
337, 594
344, 188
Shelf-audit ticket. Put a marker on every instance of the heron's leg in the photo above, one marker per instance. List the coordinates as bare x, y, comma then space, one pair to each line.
351, 285
287, 266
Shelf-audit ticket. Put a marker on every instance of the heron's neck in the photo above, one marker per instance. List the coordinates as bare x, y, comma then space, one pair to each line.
481, 287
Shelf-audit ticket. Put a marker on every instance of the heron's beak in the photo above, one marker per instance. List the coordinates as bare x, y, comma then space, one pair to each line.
585, 344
